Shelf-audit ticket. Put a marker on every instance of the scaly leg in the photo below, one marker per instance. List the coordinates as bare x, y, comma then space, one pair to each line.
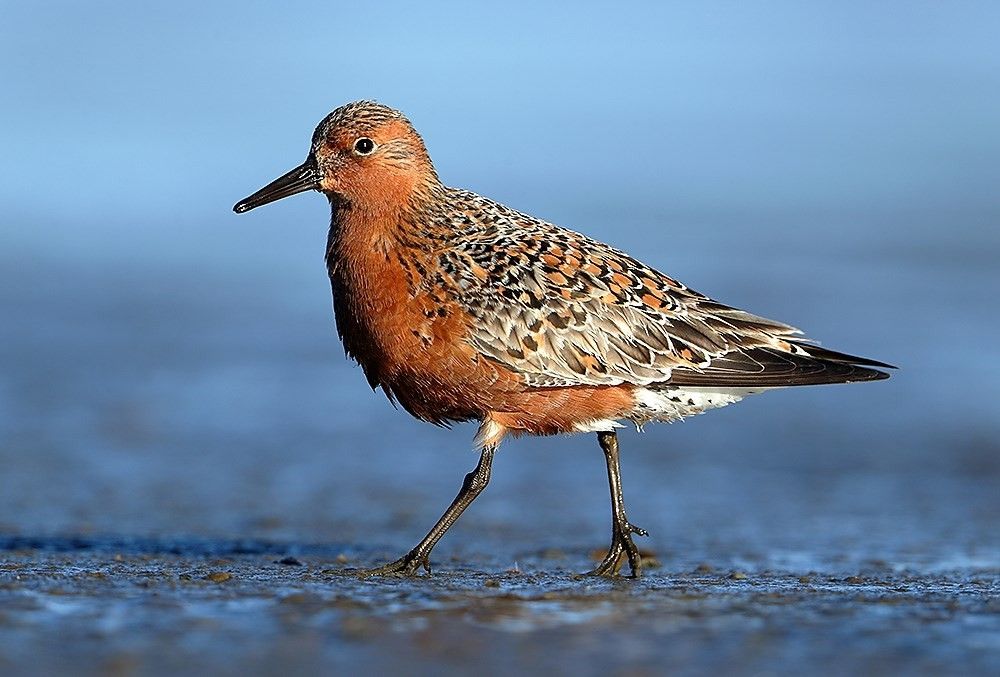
621, 530
411, 562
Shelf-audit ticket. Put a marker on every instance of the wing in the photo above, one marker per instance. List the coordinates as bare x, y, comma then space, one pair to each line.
561, 309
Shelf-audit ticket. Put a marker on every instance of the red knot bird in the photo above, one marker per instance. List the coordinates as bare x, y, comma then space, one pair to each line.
462, 309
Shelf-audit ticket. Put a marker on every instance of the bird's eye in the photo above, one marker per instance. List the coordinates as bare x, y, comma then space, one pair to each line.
364, 146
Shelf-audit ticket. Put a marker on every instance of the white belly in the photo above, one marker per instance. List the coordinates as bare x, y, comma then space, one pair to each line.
669, 404
673, 404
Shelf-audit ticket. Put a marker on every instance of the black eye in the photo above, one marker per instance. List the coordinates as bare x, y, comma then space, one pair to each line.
364, 146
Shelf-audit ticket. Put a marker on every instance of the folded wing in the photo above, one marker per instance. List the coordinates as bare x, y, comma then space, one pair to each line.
561, 309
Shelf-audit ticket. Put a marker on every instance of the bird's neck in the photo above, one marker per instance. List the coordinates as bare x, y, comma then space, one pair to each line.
360, 229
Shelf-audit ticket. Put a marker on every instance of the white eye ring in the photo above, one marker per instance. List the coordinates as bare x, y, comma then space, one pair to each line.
364, 146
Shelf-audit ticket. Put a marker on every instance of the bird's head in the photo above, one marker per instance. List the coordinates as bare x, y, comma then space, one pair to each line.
365, 154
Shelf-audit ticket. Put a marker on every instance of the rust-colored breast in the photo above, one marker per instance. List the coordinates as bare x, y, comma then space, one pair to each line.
409, 336
400, 317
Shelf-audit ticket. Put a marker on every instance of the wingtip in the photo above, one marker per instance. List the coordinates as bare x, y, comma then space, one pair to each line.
821, 353
876, 363
872, 375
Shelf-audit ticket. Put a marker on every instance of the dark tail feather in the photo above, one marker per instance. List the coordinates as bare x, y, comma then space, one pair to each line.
770, 368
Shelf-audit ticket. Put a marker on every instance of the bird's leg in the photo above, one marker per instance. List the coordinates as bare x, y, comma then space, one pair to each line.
621, 529
418, 557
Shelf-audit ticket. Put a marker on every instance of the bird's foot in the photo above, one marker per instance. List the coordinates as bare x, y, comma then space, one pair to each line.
622, 549
407, 565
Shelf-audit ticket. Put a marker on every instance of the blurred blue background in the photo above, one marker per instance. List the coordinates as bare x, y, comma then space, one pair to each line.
169, 367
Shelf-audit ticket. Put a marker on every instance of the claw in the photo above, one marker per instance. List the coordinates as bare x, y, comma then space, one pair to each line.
407, 565
611, 564
621, 544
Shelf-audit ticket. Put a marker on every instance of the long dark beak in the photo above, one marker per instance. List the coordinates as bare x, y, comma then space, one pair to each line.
302, 178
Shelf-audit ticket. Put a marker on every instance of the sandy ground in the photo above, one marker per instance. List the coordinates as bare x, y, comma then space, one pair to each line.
89, 605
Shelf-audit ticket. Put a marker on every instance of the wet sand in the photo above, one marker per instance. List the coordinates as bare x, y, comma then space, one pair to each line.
91, 605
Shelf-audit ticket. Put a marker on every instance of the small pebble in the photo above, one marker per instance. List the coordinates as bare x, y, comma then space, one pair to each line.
290, 561
219, 576
737, 576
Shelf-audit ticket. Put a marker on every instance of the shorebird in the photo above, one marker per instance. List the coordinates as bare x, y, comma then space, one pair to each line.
463, 309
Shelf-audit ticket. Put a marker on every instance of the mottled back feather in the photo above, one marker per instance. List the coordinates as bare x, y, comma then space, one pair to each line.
561, 309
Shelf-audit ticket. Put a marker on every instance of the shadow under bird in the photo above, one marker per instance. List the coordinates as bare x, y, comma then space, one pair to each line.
463, 309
